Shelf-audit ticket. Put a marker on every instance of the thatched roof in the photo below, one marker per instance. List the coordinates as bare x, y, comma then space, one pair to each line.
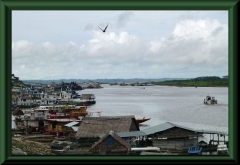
92, 127
122, 145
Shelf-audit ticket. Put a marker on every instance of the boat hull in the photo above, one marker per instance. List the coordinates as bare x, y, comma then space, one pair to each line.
142, 120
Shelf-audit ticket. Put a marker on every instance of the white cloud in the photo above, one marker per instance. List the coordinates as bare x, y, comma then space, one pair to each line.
194, 47
195, 29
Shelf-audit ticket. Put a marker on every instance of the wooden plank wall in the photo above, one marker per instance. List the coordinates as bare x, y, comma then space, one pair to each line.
174, 144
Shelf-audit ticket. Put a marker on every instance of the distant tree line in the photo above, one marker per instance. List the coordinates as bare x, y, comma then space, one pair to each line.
205, 81
209, 78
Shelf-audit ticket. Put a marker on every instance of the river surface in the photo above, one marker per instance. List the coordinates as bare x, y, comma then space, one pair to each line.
179, 105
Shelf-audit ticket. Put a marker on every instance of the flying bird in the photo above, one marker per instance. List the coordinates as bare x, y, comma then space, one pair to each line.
104, 29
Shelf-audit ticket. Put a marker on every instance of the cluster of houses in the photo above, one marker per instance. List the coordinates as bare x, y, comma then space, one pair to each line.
28, 96
106, 135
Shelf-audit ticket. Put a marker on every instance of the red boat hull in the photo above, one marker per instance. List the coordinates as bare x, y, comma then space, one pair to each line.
142, 120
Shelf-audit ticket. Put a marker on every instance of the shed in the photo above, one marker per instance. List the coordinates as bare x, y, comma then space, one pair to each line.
110, 144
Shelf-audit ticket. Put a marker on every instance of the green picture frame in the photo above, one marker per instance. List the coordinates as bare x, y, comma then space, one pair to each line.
7, 6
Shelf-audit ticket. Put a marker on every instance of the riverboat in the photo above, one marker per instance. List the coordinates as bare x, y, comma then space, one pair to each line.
210, 100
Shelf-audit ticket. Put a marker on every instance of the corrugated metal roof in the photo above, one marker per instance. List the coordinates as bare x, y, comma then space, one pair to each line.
71, 124
75, 128
131, 134
160, 128
211, 132
168, 125
128, 134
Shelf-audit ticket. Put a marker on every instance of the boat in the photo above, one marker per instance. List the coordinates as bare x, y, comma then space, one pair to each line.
139, 150
222, 149
194, 150
60, 151
141, 120
210, 100
87, 99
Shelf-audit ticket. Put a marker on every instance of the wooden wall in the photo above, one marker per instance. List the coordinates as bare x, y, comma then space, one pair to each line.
117, 147
174, 144
176, 132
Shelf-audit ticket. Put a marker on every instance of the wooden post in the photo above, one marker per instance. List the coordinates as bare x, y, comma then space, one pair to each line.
210, 141
26, 126
197, 139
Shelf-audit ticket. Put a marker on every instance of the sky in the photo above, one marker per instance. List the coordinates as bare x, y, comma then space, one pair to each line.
50, 45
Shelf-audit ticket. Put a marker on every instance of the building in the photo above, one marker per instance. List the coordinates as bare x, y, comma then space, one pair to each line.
172, 137
110, 144
91, 127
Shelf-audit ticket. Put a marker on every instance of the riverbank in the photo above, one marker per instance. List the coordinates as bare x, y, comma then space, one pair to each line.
20, 147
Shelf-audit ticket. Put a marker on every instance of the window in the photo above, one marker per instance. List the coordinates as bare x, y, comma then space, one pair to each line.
110, 140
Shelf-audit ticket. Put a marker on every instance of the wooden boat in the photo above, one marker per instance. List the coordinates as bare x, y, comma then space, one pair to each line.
194, 150
142, 120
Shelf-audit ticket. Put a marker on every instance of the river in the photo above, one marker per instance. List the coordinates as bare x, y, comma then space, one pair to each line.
179, 105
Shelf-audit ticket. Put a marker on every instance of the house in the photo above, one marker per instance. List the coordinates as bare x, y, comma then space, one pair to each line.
17, 112
91, 127
110, 144
16, 118
170, 136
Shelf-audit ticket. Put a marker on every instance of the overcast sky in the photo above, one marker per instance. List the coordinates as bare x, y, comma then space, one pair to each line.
137, 44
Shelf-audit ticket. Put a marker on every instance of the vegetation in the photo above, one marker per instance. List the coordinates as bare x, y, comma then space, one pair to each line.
31, 147
207, 81
19, 84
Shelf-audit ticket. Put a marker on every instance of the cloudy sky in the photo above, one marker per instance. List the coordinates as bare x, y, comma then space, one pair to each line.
137, 44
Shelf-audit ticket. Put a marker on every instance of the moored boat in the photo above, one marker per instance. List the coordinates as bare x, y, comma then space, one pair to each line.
141, 120
222, 149
194, 150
